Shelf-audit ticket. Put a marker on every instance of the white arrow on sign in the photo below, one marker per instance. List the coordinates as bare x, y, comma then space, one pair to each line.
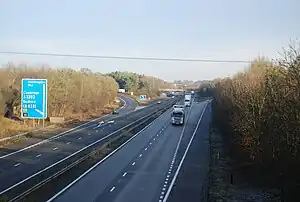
44, 101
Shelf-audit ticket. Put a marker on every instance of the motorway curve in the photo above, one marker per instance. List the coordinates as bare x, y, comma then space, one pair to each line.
23, 162
144, 169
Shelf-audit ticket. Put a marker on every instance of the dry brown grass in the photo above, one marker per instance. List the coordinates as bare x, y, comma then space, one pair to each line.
9, 127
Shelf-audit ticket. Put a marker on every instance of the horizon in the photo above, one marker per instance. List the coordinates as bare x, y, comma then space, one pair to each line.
216, 30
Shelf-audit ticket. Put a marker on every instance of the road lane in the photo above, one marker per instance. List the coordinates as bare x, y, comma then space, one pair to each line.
129, 106
48, 154
195, 167
141, 170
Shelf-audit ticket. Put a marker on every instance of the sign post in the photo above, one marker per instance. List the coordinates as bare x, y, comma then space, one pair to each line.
34, 99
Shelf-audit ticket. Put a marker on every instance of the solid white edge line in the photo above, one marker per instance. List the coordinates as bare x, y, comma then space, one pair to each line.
184, 155
97, 164
73, 154
60, 135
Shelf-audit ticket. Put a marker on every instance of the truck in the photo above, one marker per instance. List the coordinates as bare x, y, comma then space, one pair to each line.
178, 116
187, 100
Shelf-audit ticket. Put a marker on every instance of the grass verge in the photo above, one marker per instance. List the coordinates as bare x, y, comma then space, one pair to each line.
226, 177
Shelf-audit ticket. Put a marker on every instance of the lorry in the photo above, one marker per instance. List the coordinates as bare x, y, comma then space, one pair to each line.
178, 116
187, 100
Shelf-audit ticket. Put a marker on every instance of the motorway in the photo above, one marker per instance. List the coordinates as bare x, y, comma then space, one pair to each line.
145, 169
25, 162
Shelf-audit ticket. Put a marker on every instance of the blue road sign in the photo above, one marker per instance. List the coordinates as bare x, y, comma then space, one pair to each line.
34, 98
143, 97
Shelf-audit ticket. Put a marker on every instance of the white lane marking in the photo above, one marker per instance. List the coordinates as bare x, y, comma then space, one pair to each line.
124, 174
17, 164
60, 135
140, 155
39, 155
154, 139
157, 135
150, 143
184, 155
55, 148
171, 166
146, 149
68, 142
133, 163
79, 138
94, 166
112, 189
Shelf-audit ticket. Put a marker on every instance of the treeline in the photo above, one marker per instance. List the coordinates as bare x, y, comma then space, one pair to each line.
70, 92
139, 84
259, 113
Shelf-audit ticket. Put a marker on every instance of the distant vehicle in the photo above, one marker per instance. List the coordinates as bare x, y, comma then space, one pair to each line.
115, 112
173, 96
178, 116
192, 92
158, 102
121, 90
187, 100
178, 106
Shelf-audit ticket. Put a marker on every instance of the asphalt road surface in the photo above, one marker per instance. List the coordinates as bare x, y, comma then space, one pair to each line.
143, 169
21, 164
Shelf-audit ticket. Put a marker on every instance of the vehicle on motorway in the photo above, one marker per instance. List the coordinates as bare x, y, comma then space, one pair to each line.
115, 112
178, 106
158, 102
178, 116
187, 100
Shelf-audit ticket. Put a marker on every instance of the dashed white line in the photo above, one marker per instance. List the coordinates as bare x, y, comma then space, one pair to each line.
146, 149
150, 143
124, 174
133, 163
55, 148
39, 155
17, 164
79, 138
154, 139
68, 142
140, 155
112, 189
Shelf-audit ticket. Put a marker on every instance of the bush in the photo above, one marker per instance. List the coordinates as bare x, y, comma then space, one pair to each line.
259, 110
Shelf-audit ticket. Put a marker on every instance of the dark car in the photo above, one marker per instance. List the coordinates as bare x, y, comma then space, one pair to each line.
115, 112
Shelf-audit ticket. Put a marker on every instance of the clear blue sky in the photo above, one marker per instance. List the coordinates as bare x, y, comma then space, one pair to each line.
216, 29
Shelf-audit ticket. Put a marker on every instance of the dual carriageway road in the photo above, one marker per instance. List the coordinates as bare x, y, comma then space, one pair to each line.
144, 169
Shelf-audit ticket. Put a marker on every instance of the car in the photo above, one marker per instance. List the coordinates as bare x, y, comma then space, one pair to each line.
158, 102
115, 112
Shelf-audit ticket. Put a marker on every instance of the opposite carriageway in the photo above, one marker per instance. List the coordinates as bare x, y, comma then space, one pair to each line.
19, 168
